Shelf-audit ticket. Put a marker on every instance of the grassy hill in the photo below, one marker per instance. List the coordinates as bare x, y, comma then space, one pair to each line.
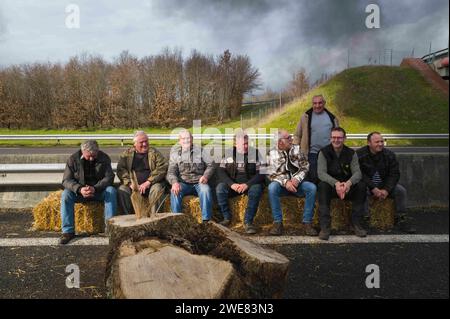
369, 98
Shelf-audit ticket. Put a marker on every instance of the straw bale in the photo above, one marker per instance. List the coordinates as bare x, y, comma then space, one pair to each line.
88, 216
381, 213
292, 208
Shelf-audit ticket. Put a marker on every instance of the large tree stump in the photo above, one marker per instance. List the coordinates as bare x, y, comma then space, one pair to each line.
172, 256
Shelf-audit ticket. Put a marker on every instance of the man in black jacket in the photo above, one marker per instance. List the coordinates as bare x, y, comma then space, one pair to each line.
88, 177
380, 172
239, 174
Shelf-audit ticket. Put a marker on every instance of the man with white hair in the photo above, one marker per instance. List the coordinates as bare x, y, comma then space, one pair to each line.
148, 166
88, 177
189, 174
288, 167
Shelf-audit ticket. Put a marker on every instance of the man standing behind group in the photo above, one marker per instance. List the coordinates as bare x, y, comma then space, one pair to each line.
381, 173
148, 166
189, 175
288, 167
313, 132
340, 176
238, 174
88, 176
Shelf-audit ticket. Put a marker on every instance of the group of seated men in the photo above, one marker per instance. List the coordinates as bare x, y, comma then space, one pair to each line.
341, 171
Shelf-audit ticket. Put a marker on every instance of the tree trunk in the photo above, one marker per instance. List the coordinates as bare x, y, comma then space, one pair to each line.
172, 256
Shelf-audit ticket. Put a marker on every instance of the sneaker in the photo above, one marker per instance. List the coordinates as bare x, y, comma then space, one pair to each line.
225, 222
65, 238
250, 229
309, 230
324, 233
359, 231
277, 229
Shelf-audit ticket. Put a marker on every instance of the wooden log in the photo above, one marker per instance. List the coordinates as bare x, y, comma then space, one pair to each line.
159, 270
150, 243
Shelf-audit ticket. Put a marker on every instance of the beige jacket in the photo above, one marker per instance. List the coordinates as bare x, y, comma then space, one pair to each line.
303, 130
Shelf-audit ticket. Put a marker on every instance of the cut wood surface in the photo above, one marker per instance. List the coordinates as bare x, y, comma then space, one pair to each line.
172, 256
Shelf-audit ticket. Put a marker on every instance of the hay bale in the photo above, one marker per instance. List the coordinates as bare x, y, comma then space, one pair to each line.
88, 216
341, 214
191, 206
382, 213
292, 207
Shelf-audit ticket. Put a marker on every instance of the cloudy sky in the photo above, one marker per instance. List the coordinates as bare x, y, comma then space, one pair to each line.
279, 36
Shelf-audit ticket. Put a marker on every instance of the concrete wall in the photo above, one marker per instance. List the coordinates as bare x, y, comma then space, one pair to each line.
425, 177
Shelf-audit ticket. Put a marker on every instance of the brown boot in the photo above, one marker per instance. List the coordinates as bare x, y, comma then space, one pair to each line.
277, 229
309, 230
65, 238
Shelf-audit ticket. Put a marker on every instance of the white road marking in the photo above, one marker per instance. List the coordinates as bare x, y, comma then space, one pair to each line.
350, 239
263, 240
54, 241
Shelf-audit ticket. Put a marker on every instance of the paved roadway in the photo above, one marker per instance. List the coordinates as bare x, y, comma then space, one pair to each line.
33, 265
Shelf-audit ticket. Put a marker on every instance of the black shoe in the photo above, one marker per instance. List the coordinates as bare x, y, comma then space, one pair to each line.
324, 233
359, 231
225, 222
65, 238
277, 229
407, 228
250, 229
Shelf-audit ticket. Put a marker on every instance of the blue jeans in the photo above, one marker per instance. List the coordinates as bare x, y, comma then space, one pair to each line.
223, 192
203, 191
305, 188
69, 198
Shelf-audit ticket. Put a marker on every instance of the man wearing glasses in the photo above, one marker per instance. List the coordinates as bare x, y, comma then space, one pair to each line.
287, 169
313, 132
340, 176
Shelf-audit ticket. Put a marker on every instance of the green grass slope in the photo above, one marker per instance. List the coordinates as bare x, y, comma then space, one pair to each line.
369, 98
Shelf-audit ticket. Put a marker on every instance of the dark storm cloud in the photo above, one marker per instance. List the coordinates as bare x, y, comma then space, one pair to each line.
318, 21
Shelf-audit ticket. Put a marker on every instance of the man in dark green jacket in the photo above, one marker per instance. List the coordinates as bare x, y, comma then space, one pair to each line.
381, 173
146, 167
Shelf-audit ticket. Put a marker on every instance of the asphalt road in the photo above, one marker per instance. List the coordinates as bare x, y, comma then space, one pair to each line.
407, 270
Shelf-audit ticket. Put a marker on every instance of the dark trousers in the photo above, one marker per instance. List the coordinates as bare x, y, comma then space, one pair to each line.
312, 173
223, 192
357, 195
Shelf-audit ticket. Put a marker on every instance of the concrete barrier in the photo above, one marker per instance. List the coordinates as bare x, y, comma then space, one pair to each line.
425, 177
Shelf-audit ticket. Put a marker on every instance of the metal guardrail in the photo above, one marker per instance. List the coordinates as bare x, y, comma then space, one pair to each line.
37, 168
123, 137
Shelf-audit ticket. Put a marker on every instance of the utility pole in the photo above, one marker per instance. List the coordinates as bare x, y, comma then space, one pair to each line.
392, 52
348, 59
280, 100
